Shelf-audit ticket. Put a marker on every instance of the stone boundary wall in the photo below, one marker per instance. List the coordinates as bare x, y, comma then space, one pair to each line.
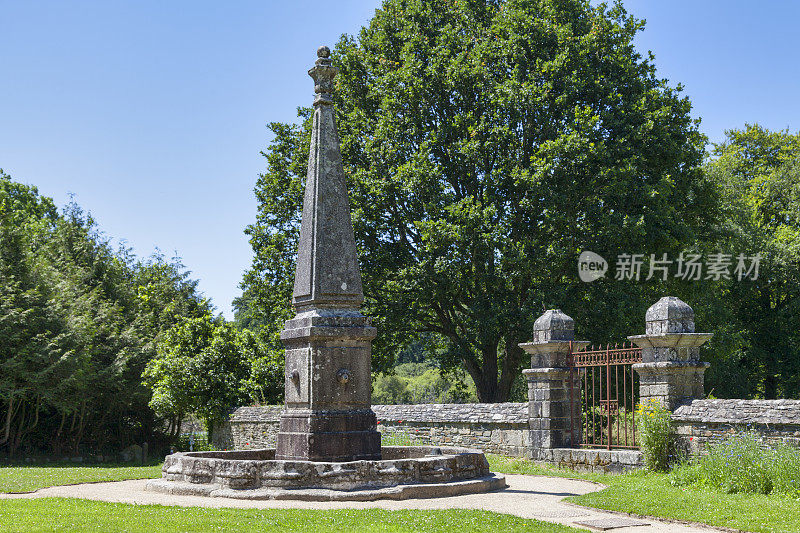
494, 428
249, 428
503, 428
591, 459
707, 421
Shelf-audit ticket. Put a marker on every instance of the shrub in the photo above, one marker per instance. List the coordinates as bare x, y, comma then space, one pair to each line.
422, 383
744, 463
654, 424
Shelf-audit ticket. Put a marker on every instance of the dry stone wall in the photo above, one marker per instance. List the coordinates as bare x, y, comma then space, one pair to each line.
504, 428
495, 428
707, 421
249, 428
591, 459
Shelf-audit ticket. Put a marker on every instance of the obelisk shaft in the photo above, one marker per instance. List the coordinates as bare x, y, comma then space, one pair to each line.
327, 272
329, 342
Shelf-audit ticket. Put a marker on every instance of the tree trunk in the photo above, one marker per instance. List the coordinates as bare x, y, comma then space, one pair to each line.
81, 427
57, 443
7, 425
209, 429
485, 375
768, 350
16, 438
171, 427
176, 430
512, 357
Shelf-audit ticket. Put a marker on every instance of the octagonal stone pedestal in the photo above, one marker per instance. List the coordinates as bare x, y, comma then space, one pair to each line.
403, 472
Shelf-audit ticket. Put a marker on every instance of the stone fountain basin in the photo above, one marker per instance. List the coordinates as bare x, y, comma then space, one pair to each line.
402, 472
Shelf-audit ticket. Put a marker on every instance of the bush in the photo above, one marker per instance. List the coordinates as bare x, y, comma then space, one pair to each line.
654, 424
421, 383
744, 463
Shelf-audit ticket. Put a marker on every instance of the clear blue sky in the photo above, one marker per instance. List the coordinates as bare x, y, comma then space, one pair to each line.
153, 113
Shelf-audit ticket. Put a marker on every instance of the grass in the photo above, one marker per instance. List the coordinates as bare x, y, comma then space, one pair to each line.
64, 514
653, 494
516, 465
390, 438
744, 463
642, 493
30, 478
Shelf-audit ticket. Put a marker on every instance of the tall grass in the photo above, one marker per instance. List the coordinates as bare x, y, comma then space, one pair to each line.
400, 438
656, 437
744, 463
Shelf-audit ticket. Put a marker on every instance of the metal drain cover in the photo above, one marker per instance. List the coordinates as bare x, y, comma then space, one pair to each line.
604, 524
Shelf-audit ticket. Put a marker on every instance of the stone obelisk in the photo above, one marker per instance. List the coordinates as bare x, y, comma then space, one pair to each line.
328, 416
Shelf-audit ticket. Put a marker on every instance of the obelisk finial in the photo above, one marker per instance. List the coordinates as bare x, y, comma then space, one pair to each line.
327, 272
323, 73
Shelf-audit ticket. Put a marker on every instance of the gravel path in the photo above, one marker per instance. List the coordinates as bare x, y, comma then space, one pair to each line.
526, 496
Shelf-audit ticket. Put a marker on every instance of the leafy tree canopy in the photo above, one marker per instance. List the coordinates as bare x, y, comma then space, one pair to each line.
206, 366
79, 320
757, 172
488, 143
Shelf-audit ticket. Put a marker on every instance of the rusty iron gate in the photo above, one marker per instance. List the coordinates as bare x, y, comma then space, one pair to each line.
608, 396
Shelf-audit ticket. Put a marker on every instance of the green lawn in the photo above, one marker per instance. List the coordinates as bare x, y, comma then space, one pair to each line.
65, 514
638, 493
651, 494
30, 478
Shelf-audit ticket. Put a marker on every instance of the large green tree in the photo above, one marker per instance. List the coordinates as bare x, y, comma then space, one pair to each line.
488, 143
757, 172
79, 320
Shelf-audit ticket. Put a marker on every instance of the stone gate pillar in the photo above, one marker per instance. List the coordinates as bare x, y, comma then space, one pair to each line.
671, 370
549, 384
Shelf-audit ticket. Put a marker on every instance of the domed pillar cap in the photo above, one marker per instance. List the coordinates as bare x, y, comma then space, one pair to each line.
553, 325
669, 315
670, 324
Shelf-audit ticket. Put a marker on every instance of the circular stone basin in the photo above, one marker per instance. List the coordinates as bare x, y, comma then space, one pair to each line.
402, 472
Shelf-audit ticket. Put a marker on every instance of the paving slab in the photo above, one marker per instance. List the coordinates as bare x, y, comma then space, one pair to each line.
538, 497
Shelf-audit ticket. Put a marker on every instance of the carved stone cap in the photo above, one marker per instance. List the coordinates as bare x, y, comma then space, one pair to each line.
669, 315
323, 73
543, 348
670, 340
553, 325
659, 367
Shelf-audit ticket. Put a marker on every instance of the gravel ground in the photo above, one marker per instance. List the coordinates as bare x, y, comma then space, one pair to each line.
526, 496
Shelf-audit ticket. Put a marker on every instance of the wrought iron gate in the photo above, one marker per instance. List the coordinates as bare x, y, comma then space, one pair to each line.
608, 396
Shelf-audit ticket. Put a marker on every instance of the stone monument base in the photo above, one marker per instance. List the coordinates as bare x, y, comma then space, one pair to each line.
328, 436
404, 472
